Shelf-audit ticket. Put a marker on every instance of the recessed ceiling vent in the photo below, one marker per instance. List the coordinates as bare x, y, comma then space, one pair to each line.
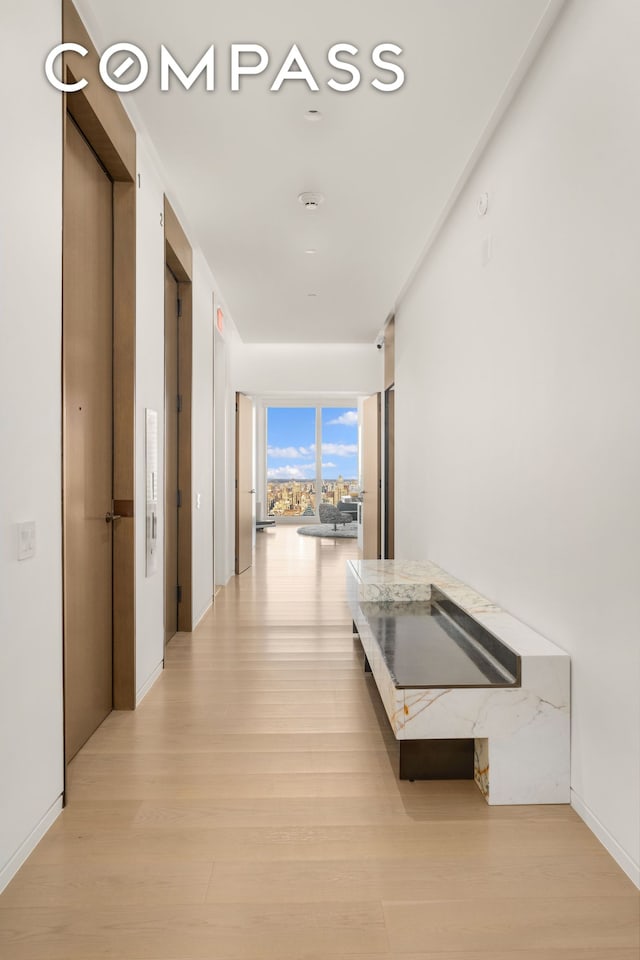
311, 201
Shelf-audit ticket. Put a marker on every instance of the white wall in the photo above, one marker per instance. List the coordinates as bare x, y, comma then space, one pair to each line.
517, 391
202, 433
224, 460
150, 258
31, 722
150, 393
31, 744
259, 460
316, 368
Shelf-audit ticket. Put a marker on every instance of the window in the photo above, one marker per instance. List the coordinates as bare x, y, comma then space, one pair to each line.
312, 457
339, 468
291, 461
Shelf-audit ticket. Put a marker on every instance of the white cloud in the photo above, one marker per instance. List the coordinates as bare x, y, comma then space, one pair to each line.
288, 453
340, 449
300, 472
348, 419
328, 466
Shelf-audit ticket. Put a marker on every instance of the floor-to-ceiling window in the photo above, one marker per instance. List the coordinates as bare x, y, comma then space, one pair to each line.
291, 461
312, 457
339, 466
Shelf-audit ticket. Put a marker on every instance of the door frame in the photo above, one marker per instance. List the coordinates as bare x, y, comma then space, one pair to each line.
104, 123
389, 437
389, 473
371, 530
179, 260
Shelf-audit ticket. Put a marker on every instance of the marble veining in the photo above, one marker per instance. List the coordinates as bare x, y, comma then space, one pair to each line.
481, 765
521, 734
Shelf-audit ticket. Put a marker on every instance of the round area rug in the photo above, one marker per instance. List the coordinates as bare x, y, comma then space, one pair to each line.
345, 531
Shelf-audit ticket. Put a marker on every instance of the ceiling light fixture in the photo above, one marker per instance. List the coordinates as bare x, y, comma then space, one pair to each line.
311, 201
313, 116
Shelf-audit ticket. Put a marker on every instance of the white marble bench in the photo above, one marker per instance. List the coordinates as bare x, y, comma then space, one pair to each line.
521, 734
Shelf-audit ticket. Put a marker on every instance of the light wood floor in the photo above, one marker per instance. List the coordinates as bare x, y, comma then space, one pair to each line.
250, 810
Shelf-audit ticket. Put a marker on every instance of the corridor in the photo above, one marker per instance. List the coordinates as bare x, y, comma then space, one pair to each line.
250, 809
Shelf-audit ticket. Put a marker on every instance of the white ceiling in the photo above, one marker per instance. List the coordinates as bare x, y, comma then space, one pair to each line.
386, 163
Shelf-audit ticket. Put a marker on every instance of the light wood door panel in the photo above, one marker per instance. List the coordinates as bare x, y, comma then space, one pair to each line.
390, 475
371, 478
390, 353
244, 482
87, 440
171, 415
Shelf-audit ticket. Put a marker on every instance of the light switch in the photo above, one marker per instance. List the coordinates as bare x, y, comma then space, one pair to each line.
198, 501
26, 540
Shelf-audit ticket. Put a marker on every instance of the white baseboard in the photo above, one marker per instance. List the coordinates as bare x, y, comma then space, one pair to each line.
203, 614
10, 869
611, 845
144, 689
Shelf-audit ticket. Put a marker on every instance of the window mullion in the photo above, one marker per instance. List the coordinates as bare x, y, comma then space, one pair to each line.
318, 457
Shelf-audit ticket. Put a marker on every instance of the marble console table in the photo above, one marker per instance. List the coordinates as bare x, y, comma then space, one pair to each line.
521, 734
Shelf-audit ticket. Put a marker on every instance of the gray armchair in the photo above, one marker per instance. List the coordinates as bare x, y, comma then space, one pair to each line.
330, 514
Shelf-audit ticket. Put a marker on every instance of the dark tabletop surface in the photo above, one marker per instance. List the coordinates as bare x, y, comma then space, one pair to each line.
424, 648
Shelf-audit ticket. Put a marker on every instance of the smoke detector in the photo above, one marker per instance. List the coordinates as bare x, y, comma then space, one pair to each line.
311, 201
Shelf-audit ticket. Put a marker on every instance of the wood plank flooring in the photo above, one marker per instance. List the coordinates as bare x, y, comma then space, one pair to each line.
249, 809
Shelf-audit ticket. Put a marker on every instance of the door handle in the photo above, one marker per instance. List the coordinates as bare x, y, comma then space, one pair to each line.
109, 517
251, 491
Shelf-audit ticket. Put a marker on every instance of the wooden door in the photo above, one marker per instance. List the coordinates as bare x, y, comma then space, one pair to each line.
371, 478
244, 482
87, 384
390, 474
171, 455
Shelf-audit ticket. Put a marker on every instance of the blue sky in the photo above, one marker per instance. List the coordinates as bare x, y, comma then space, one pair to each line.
291, 443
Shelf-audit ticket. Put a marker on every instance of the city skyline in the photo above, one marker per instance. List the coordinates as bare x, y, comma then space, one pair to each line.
296, 498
